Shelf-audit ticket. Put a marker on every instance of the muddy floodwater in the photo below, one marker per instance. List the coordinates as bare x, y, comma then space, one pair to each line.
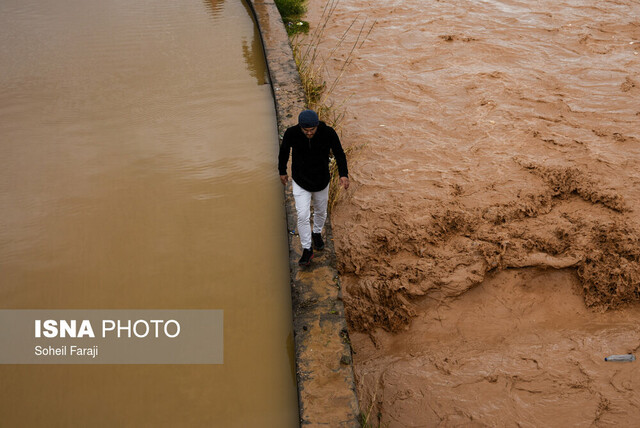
137, 150
489, 245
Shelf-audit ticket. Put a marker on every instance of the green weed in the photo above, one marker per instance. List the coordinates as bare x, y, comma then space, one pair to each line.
291, 11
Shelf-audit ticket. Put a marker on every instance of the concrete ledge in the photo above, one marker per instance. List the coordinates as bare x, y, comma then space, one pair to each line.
326, 389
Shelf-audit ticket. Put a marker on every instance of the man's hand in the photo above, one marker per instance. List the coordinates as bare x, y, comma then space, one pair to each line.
344, 182
284, 179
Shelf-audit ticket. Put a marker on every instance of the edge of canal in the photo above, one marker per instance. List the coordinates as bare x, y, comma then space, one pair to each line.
324, 369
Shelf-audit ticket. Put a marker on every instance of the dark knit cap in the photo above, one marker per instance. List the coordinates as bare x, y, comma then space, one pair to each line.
308, 119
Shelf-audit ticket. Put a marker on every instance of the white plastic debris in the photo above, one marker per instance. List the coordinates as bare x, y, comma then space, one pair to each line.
624, 357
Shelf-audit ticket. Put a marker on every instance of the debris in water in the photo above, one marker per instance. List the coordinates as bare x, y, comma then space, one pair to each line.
625, 357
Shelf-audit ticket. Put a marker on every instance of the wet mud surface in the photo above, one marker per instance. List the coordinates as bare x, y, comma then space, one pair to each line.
489, 247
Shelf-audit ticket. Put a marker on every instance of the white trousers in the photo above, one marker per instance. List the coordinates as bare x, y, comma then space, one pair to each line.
303, 208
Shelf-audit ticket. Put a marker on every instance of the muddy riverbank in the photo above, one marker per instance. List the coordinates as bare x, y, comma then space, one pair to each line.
489, 246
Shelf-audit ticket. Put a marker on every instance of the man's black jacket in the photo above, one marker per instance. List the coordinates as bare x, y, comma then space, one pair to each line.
310, 157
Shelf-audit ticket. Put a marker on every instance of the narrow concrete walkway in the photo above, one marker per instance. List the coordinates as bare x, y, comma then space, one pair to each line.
326, 389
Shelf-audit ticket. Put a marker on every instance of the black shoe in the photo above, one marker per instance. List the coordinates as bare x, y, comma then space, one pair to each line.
318, 243
307, 255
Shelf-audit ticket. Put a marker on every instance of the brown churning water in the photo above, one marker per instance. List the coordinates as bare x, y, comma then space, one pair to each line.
137, 171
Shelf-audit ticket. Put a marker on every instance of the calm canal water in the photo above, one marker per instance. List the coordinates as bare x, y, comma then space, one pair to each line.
137, 171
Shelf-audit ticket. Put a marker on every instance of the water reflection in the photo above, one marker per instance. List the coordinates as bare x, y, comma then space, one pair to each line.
214, 7
254, 54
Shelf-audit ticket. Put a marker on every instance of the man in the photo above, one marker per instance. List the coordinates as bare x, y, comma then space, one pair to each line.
310, 141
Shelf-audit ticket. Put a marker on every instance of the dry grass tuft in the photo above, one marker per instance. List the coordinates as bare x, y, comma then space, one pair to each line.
317, 90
